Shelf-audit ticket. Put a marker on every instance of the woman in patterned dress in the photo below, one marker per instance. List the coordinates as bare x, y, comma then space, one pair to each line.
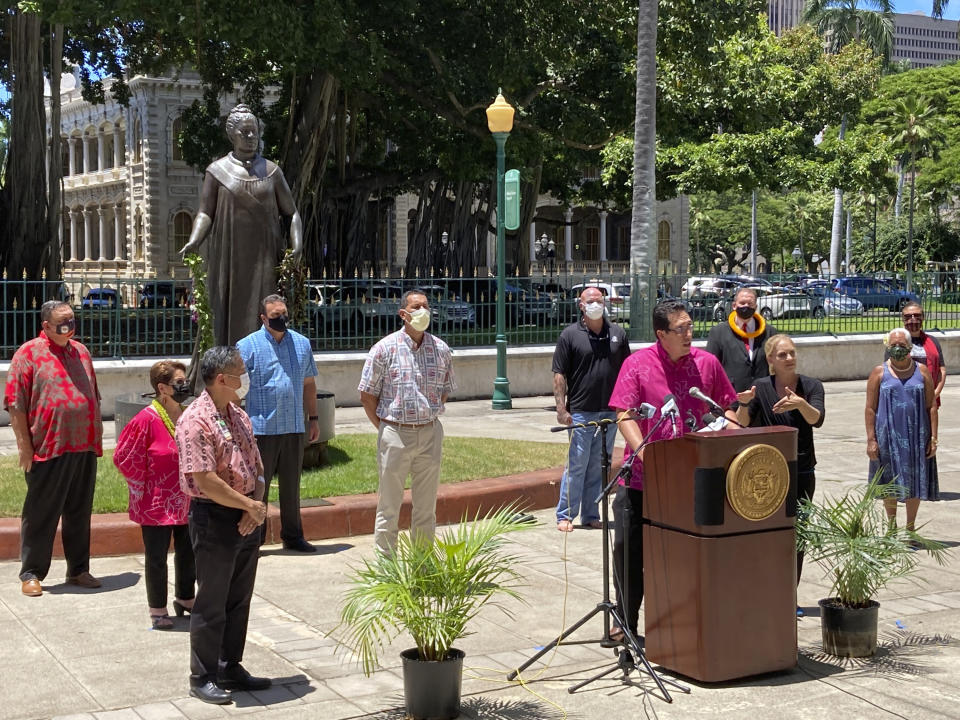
147, 457
901, 419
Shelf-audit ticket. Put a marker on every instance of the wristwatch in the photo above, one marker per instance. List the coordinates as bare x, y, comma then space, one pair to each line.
313, 417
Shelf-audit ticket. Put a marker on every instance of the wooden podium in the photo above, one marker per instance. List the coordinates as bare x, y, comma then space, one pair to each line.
719, 589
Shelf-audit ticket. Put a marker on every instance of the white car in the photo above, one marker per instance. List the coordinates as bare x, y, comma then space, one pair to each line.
616, 297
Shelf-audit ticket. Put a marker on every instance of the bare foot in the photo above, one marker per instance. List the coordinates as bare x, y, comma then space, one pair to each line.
565, 526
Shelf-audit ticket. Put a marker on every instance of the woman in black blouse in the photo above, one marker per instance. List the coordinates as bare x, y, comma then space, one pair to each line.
787, 398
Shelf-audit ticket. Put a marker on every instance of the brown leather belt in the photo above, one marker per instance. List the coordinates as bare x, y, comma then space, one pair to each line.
407, 425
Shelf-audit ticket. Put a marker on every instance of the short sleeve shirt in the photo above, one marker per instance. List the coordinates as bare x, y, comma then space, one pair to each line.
210, 442
277, 371
590, 363
408, 381
56, 388
649, 375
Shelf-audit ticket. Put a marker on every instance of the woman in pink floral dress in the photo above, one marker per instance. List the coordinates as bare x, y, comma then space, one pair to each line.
146, 455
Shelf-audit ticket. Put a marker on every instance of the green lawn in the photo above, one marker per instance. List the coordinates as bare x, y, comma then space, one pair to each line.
351, 469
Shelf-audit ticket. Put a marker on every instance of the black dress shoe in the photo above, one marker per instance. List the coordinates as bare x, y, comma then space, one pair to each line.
236, 677
210, 692
299, 545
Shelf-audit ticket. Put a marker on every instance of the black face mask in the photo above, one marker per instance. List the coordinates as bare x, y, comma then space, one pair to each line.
181, 392
67, 327
278, 324
745, 312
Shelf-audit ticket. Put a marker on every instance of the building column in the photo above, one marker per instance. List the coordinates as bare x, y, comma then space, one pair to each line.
85, 141
102, 213
119, 156
101, 151
603, 236
87, 234
74, 235
568, 235
533, 242
118, 235
72, 155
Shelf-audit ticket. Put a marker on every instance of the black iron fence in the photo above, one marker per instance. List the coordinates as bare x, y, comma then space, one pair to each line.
119, 317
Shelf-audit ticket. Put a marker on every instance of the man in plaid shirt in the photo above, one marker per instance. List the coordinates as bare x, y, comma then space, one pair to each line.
405, 382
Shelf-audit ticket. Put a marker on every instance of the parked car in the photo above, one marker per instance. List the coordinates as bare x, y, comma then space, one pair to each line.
529, 306
616, 297
164, 294
834, 303
329, 310
701, 285
873, 293
773, 303
447, 311
101, 298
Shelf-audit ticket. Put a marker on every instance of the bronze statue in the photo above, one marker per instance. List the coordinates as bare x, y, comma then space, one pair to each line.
242, 200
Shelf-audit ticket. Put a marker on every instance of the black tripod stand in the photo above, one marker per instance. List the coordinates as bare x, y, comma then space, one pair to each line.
631, 646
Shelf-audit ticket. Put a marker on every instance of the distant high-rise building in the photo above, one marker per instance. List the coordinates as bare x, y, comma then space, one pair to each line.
784, 14
923, 40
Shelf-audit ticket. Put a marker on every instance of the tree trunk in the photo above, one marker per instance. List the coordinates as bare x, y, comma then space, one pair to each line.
849, 244
55, 166
28, 248
837, 216
753, 233
913, 175
643, 236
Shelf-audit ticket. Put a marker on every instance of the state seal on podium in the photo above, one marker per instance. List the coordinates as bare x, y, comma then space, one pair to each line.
757, 482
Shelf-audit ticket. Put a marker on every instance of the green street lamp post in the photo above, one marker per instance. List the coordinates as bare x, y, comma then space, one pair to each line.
500, 123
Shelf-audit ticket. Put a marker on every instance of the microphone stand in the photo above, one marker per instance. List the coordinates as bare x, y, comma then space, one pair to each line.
625, 661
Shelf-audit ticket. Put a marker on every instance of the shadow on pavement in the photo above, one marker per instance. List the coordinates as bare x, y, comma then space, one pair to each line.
109, 584
329, 549
899, 655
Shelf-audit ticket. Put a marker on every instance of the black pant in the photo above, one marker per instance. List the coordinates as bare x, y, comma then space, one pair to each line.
628, 541
806, 483
60, 488
226, 570
156, 544
282, 456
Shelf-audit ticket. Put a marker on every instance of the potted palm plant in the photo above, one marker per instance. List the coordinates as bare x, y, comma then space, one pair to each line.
431, 591
861, 551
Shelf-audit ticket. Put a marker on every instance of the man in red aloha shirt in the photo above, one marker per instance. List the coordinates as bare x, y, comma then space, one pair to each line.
54, 407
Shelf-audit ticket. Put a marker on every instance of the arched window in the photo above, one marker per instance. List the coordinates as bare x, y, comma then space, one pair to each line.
182, 225
138, 236
663, 240
175, 131
137, 140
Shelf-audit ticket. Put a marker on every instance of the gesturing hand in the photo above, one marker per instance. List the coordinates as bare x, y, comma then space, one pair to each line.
746, 396
790, 401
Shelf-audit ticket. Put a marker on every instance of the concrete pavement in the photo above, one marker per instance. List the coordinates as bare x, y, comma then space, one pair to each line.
90, 654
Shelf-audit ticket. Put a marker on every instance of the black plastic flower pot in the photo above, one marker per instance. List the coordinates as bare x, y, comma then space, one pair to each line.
431, 688
848, 632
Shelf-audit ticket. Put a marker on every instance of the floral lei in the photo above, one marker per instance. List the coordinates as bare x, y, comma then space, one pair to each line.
162, 412
761, 326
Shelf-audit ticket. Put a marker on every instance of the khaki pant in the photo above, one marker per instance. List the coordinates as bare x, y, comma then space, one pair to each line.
403, 451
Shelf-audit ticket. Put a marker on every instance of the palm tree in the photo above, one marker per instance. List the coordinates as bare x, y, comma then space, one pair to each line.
643, 226
801, 213
915, 127
700, 220
841, 22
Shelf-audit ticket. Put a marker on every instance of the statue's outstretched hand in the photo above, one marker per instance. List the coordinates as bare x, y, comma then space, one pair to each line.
191, 247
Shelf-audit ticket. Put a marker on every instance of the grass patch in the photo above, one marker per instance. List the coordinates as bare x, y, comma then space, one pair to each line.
351, 469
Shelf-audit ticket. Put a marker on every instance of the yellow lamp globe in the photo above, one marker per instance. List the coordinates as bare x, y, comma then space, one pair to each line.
500, 115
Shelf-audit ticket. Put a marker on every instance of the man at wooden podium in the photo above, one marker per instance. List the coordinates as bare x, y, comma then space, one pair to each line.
671, 366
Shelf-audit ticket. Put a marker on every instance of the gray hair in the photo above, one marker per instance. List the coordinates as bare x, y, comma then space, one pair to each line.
750, 290
270, 300
236, 116
216, 360
897, 331
50, 307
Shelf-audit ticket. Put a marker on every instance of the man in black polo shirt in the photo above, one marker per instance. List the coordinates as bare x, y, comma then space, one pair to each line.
586, 363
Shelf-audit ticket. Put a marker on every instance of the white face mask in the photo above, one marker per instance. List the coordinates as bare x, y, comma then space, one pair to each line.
593, 310
420, 319
244, 387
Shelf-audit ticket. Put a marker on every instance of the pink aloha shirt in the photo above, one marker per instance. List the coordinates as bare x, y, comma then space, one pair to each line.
147, 457
649, 375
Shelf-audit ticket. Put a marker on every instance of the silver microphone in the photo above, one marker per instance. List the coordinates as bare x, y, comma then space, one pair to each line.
645, 411
670, 408
703, 397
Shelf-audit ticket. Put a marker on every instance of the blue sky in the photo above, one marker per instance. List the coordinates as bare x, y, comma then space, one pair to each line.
952, 12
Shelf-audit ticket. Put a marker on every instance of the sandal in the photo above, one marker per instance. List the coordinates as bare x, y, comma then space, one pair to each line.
616, 633
565, 526
162, 622
595, 525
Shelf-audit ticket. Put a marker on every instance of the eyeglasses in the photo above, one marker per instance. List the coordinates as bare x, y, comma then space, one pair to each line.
682, 329
913, 316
